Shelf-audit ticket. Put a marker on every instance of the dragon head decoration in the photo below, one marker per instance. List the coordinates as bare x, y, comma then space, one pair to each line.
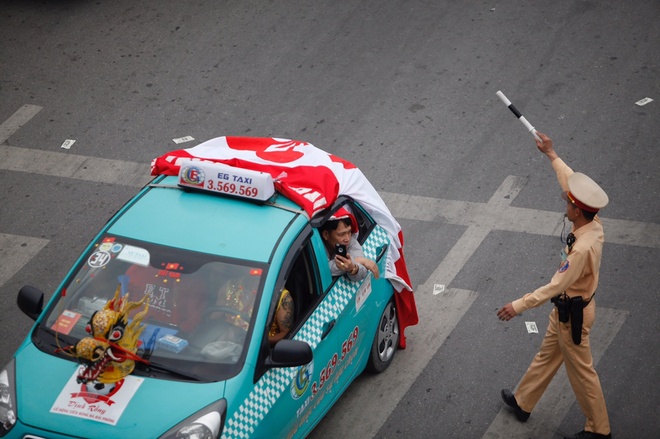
109, 353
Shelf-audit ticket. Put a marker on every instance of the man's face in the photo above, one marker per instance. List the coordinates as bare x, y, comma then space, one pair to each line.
341, 235
572, 211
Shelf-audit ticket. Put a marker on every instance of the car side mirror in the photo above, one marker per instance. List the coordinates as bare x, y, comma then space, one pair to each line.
290, 353
31, 301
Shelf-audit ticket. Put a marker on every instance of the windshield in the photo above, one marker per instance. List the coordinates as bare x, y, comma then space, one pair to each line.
188, 314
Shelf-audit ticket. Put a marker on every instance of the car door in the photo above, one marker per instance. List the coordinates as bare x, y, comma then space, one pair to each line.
336, 328
276, 402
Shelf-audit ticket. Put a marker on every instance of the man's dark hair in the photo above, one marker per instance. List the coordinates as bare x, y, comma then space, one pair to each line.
332, 225
588, 215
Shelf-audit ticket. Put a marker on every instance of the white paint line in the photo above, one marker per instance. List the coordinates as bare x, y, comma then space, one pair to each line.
17, 120
459, 255
60, 164
15, 252
631, 233
513, 219
558, 397
508, 190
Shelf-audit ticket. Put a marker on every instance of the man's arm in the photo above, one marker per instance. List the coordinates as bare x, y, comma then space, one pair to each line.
568, 273
562, 170
369, 264
284, 316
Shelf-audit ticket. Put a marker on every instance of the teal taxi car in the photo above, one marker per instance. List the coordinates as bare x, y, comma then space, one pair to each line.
160, 330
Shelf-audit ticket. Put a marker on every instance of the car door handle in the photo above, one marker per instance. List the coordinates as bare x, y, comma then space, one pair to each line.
381, 252
328, 328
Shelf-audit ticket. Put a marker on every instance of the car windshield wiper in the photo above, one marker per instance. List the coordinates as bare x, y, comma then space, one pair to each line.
58, 344
157, 367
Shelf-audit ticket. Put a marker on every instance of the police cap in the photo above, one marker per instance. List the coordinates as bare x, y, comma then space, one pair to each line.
585, 193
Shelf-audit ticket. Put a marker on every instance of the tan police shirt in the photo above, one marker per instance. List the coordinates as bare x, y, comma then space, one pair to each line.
577, 275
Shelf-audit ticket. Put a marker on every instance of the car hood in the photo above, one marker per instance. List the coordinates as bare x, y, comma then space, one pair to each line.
49, 399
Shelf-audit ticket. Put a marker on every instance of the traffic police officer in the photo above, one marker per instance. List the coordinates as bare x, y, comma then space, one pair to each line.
571, 290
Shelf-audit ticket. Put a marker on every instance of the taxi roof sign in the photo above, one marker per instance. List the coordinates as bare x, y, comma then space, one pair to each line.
225, 179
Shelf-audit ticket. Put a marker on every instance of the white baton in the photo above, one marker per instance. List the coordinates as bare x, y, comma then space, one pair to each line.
520, 117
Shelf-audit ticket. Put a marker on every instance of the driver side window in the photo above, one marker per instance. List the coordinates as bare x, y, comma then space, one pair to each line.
298, 297
303, 283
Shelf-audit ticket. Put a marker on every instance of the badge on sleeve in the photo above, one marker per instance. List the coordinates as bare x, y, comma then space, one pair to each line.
564, 266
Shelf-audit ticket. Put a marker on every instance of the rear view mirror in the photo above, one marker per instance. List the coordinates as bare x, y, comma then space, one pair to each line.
31, 301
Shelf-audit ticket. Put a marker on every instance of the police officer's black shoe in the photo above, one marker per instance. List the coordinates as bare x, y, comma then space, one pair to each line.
510, 400
589, 435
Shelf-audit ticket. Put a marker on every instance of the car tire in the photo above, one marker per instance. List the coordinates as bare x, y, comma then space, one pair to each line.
386, 340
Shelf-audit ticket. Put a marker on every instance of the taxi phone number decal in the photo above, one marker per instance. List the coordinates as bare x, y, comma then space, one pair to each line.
328, 370
232, 188
334, 369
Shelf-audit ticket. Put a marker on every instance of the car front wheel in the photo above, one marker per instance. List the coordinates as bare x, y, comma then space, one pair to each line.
386, 340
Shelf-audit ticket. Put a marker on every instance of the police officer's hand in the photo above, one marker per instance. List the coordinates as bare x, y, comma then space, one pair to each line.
546, 146
507, 312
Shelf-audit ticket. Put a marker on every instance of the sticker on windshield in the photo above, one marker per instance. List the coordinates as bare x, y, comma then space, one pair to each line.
134, 255
66, 321
106, 246
99, 259
87, 402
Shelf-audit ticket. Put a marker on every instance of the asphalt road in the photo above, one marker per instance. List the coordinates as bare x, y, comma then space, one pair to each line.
406, 91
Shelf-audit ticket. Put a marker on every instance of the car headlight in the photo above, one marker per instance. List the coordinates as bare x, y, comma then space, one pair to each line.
205, 424
7, 398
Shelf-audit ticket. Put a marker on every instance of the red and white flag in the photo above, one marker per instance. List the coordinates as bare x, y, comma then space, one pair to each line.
313, 179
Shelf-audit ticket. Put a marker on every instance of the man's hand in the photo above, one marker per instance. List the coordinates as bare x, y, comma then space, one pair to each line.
546, 146
371, 265
345, 263
507, 312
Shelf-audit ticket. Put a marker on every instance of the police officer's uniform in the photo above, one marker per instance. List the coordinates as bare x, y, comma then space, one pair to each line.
577, 276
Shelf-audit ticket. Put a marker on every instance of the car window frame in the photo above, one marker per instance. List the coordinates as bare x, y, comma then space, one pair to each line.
298, 246
366, 224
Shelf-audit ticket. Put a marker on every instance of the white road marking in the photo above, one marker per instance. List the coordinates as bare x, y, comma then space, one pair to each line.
17, 120
15, 252
61, 164
513, 219
558, 397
